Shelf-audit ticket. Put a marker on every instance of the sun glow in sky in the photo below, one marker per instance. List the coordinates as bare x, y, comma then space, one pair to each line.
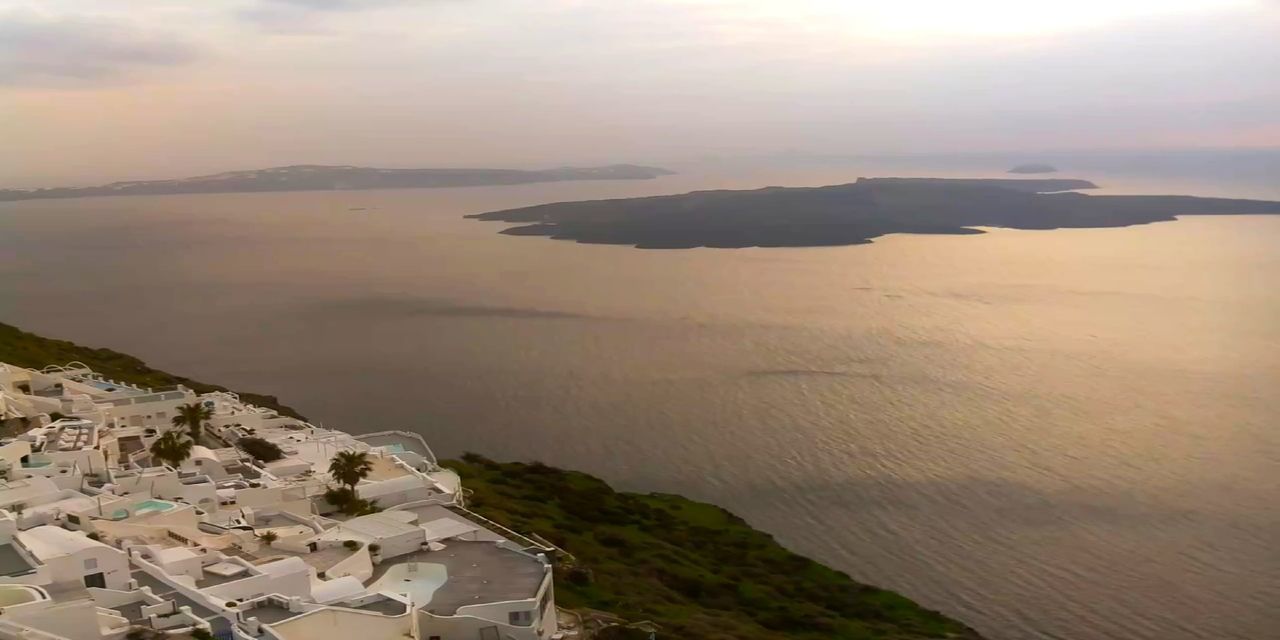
163, 88
918, 19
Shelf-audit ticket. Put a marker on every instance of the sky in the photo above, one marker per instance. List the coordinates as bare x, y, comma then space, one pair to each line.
100, 90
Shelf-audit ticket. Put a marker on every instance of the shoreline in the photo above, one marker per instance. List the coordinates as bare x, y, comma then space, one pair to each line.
692, 568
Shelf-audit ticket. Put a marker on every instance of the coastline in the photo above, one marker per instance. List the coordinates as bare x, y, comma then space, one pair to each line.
693, 569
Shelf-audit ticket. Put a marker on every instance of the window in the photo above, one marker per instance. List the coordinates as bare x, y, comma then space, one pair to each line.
90, 564
520, 618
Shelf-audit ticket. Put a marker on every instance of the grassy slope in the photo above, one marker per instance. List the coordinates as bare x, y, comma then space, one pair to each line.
694, 568
33, 351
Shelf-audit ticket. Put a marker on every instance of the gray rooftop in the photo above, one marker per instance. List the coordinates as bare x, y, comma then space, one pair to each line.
386, 607
163, 590
131, 611
478, 573
11, 563
268, 612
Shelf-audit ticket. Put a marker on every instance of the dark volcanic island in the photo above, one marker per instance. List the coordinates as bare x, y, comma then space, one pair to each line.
851, 213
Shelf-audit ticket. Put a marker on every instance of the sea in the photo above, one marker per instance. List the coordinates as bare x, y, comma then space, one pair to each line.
1067, 434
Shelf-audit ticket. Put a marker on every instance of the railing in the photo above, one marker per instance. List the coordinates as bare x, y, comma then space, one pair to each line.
74, 365
529, 543
431, 456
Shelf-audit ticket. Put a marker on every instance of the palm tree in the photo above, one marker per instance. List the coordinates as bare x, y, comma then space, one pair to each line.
192, 416
350, 467
268, 537
172, 448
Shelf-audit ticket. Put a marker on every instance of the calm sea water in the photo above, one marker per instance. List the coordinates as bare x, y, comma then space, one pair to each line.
1050, 434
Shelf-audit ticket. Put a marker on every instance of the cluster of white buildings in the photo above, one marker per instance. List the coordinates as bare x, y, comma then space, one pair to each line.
98, 540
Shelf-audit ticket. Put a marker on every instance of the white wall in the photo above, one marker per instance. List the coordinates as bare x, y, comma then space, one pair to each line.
71, 569
295, 580
344, 623
358, 565
12, 453
468, 628
399, 544
157, 414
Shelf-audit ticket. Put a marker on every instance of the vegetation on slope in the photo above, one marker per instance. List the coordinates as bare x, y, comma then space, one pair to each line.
30, 350
693, 568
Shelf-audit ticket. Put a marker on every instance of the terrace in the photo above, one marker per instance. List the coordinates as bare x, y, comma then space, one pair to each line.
397, 442
462, 574
12, 562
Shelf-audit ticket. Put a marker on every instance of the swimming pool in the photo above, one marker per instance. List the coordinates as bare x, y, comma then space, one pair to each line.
12, 595
143, 508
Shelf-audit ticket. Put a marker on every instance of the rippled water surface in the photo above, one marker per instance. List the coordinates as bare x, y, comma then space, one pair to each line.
1049, 434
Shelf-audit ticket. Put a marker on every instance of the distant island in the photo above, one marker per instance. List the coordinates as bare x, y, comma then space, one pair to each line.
312, 177
1034, 167
851, 213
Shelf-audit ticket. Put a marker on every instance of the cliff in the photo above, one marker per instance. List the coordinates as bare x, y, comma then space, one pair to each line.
694, 569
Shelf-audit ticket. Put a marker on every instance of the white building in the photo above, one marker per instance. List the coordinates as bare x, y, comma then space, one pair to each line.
65, 559
248, 549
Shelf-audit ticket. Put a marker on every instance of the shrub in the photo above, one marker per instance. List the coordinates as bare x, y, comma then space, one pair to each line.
579, 576
94, 536
472, 457
374, 548
338, 496
612, 540
351, 544
261, 450
142, 633
201, 634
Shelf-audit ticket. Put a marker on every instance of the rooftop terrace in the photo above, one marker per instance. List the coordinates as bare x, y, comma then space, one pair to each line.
12, 563
475, 573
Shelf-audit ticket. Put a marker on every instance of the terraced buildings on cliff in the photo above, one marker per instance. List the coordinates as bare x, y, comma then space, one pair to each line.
128, 512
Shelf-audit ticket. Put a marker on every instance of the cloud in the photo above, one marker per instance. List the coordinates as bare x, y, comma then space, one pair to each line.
333, 5
37, 49
301, 15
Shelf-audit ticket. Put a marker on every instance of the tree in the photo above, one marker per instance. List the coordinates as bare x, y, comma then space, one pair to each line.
261, 450
171, 448
268, 537
350, 467
192, 416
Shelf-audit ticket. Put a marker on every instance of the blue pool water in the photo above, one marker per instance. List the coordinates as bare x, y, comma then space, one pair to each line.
146, 506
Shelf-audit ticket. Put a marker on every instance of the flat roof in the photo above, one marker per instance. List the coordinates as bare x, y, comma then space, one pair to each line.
477, 573
376, 526
47, 541
12, 563
268, 612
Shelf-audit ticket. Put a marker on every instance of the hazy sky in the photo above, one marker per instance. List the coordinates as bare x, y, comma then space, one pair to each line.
95, 90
